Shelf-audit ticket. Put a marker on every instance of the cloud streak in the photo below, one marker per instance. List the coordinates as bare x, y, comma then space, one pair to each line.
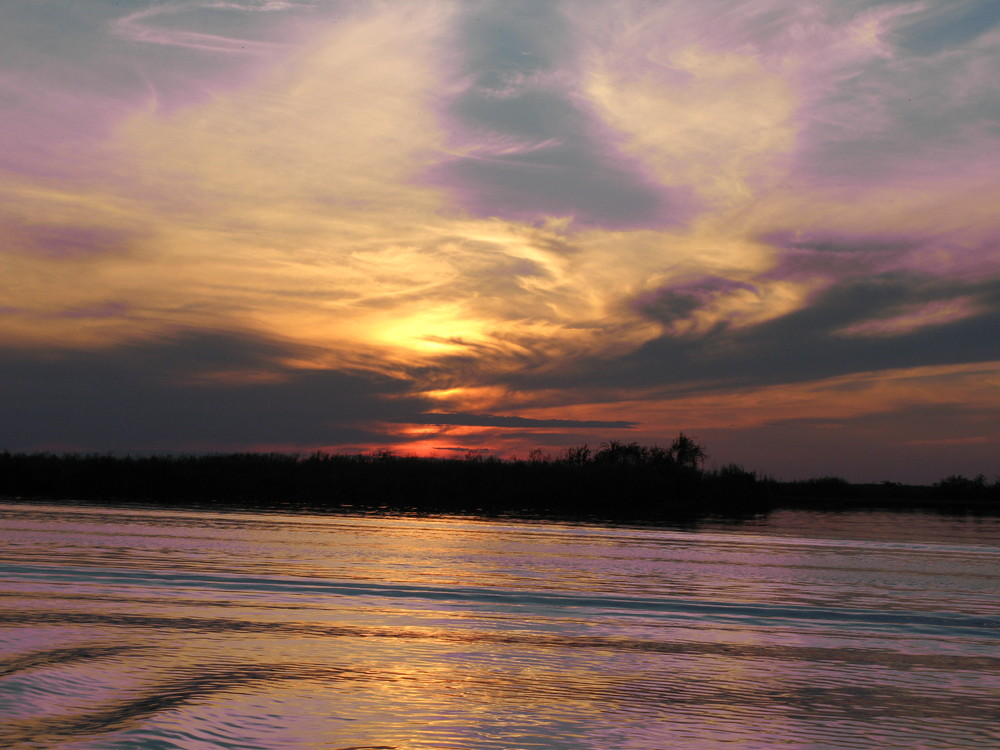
494, 420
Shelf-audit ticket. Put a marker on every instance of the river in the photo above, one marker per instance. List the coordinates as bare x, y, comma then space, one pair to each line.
139, 628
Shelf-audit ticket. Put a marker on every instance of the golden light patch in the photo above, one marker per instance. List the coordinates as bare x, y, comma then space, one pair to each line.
467, 398
438, 331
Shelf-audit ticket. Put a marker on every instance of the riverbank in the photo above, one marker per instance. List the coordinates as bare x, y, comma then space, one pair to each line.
639, 485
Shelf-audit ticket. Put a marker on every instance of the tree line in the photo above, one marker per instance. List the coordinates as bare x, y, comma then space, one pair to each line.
616, 480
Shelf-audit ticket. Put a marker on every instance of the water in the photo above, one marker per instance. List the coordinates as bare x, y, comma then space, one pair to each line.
136, 628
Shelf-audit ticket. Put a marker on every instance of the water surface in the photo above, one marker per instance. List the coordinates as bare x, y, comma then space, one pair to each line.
142, 628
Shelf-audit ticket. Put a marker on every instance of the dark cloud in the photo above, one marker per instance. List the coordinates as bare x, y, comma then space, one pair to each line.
807, 344
512, 35
530, 149
565, 181
947, 25
804, 345
672, 304
832, 242
461, 449
193, 391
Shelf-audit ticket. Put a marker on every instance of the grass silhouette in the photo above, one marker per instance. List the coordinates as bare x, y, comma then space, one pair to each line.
617, 481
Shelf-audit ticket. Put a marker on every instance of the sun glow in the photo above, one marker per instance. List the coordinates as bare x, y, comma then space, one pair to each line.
438, 331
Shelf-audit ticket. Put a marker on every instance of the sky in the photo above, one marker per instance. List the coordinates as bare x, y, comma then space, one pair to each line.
490, 226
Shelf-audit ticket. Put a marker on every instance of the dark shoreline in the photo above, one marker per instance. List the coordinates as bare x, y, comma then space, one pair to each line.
642, 487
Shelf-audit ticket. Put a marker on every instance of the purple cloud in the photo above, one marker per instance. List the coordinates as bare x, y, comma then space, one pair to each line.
68, 242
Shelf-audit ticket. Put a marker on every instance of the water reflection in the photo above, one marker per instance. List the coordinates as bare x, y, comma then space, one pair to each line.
125, 629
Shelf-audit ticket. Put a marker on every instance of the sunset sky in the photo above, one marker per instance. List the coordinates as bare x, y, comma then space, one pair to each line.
439, 227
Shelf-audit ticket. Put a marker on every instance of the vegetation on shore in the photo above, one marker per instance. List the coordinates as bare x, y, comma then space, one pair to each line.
617, 480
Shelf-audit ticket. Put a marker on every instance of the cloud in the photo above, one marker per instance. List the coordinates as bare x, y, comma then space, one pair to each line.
494, 420
706, 305
109, 309
718, 122
70, 240
193, 391
523, 145
462, 449
798, 366
911, 318
158, 25
921, 314
937, 28
879, 109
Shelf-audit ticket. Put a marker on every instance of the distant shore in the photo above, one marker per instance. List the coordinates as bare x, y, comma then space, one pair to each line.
619, 482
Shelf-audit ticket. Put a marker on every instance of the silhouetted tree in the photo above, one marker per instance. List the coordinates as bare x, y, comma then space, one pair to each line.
578, 455
687, 453
615, 452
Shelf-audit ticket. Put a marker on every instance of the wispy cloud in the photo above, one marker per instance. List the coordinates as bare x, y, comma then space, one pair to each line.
158, 25
913, 318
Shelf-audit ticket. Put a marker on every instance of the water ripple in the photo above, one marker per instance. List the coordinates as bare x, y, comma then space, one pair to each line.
146, 629
538, 601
